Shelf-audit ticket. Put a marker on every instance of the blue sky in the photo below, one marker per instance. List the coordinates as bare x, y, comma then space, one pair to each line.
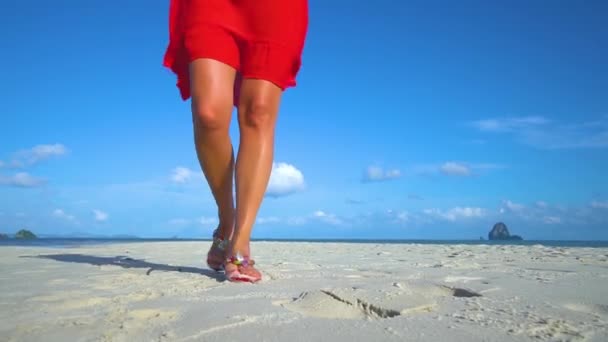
411, 119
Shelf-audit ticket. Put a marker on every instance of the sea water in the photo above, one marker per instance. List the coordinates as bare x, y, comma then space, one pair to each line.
75, 242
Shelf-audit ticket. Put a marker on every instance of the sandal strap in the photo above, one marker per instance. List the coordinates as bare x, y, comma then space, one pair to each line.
240, 260
218, 240
216, 234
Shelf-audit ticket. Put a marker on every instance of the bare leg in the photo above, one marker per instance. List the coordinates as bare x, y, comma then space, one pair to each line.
258, 110
212, 100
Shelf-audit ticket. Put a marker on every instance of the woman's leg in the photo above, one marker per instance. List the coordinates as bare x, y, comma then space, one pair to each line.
257, 114
212, 85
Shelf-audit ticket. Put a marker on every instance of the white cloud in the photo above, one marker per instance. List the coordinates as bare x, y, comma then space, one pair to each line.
36, 154
285, 179
42, 152
319, 213
317, 216
395, 218
455, 169
179, 222
542, 213
22, 180
539, 211
532, 214
29, 157
511, 207
398, 216
599, 204
327, 218
509, 124
542, 133
203, 220
433, 212
456, 213
100, 216
324, 217
60, 214
296, 221
266, 220
552, 220
466, 212
181, 175
377, 174
206, 221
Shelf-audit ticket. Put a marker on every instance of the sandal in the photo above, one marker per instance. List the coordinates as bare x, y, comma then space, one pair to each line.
217, 252
244, 270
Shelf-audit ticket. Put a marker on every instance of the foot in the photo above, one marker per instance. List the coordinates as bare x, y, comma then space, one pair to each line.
240, 268
217, 252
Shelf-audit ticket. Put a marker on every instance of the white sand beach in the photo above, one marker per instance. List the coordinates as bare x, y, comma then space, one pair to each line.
162, 291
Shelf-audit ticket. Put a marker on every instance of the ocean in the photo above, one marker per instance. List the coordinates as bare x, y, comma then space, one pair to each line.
76, 242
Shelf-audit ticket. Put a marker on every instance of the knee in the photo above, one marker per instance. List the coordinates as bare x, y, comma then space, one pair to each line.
209, 117
257, 114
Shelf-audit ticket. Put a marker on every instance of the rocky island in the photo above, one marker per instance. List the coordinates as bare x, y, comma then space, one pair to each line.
500, 232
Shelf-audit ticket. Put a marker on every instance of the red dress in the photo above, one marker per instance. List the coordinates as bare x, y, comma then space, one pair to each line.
261, 39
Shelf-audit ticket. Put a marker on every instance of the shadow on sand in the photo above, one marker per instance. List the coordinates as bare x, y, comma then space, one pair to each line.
127, 262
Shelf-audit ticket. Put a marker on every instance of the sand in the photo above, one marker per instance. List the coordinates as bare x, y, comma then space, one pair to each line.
162, 291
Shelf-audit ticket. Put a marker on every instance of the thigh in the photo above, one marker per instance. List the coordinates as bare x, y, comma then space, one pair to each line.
211, 83
198, 30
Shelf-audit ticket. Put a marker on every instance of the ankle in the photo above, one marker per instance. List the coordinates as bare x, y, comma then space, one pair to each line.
239, 247
225, 229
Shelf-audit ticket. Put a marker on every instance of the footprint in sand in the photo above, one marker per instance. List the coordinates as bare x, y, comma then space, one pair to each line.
554, 330
357, 303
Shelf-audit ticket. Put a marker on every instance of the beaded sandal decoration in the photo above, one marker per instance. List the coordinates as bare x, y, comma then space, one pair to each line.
242, 263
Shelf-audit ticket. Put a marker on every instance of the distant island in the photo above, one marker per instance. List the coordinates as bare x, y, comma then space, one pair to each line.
25, 234
500, 232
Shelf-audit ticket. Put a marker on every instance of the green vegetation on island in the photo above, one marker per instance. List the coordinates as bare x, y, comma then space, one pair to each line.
25, 234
